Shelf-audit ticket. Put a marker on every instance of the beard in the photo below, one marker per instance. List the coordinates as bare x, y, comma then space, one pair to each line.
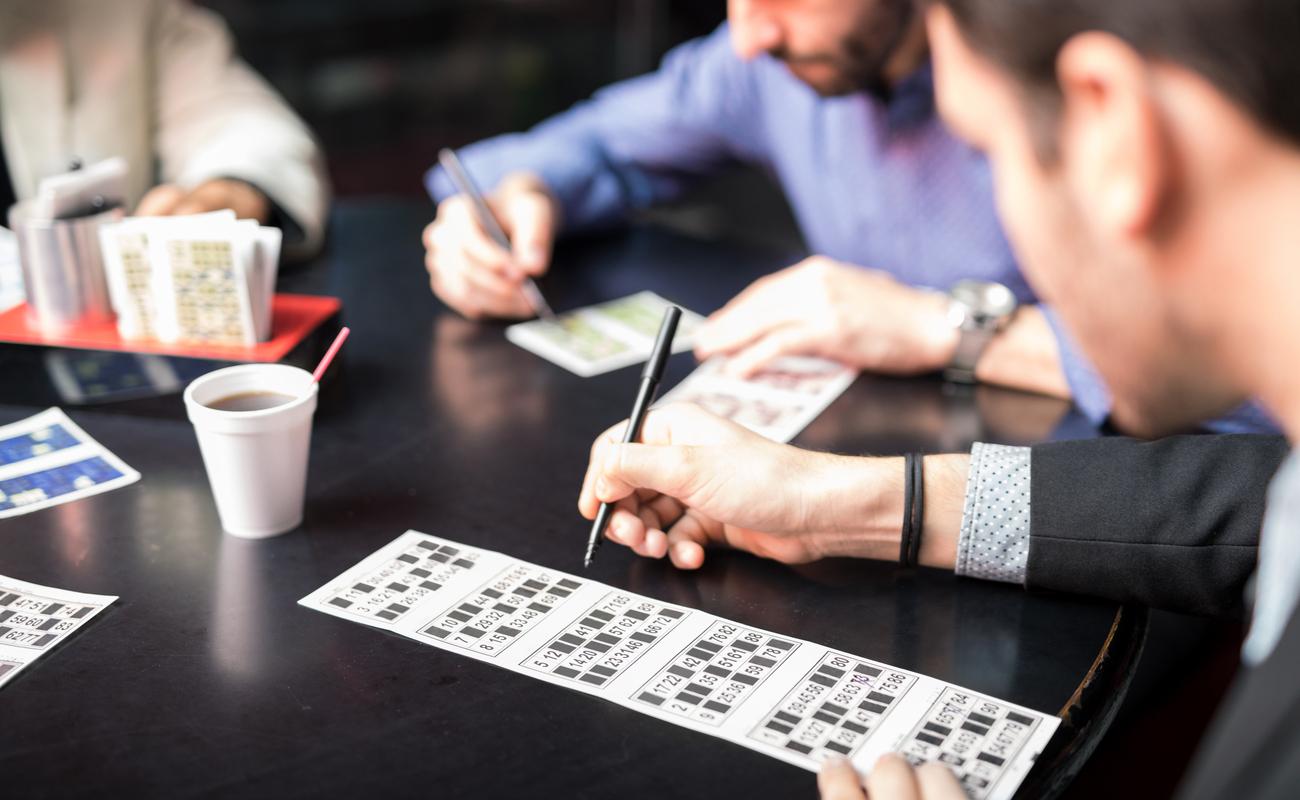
857, 62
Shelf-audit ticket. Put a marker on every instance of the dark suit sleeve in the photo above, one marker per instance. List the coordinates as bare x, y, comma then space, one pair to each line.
1172, 523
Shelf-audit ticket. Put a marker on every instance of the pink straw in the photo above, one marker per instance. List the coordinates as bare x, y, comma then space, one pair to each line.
329, 354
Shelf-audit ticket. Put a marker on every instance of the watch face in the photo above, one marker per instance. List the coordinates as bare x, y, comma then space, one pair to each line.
985, 299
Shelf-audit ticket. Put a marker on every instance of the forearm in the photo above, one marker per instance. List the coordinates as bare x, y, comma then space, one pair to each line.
1025, 356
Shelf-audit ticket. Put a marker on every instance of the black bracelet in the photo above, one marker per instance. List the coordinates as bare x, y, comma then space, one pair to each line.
918, 508
909, 489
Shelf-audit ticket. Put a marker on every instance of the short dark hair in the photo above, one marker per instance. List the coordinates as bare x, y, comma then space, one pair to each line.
1248, 49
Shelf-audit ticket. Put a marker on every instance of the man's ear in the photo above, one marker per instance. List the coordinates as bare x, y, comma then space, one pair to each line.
1112, 135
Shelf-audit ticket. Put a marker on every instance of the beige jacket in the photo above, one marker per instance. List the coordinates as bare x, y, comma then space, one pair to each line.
156, 82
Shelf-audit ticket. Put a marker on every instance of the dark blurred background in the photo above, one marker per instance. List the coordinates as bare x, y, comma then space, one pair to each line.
385, 83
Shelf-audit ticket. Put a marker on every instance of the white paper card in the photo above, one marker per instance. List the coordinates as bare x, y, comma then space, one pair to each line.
778, 402
788, 698
36, 619
604, 337
46, 460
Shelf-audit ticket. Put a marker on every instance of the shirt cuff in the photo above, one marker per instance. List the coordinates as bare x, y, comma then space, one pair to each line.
994, 541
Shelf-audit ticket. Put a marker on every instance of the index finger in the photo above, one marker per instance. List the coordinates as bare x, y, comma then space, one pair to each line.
749, 316
587, 502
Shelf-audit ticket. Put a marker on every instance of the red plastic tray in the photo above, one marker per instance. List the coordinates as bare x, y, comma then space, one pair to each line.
293, 316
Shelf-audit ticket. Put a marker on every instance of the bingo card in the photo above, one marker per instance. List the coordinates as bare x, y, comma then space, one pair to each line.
777, 402
46, 460
791, 699
35, 619
605, 337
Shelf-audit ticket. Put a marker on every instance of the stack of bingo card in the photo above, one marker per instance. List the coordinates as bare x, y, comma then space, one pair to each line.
204, 279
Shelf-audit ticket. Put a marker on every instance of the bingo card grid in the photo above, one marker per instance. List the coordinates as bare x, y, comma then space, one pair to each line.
710, 677
834, 709
37, 443
55, 482
606, 639
391, 590
578, 335
208, 306
34, 622
975, 736
491, 618
133, 249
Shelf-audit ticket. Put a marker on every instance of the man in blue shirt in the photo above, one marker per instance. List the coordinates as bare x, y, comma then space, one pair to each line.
835, 101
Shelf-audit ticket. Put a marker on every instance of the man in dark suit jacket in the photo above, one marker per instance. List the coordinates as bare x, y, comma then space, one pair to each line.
1147, 161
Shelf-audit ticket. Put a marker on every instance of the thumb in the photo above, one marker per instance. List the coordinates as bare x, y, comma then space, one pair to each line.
671, 470
530, 218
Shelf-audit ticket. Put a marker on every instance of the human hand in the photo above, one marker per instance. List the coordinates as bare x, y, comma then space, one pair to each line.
698, 480
168, 199
474, 275
891, 779
820, 307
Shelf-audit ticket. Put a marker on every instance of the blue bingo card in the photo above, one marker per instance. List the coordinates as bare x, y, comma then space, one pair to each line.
29, 444
46, 460
791, 699
35, 619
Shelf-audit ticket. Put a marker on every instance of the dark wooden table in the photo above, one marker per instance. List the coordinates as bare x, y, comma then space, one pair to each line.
206, 678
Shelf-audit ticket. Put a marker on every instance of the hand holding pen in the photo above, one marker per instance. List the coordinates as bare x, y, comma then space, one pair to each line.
645, 396
482, 255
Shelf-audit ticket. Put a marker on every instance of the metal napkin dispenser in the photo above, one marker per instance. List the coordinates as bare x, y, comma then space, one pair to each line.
63, 267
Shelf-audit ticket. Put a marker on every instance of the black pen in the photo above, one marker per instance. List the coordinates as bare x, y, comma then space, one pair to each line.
650, 378
465, 185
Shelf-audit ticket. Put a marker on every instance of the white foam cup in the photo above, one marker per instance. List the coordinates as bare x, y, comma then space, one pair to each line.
256, 460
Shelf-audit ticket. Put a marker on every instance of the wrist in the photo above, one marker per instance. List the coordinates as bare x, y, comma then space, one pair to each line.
857, 507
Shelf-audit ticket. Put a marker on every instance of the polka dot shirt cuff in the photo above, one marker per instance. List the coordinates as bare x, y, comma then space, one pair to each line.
994, 541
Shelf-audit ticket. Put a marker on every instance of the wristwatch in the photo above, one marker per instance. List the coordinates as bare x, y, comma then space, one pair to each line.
978, 310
